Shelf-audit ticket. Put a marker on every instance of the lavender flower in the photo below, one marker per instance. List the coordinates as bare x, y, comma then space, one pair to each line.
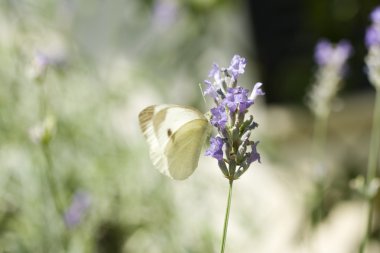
322, 52
372, 36
210, 90
254, 155
214, 71
165, 13
219, 117
237, 66
327, 53
39, 66
331, 60
232, 147
371, 184
257, 91
372, 39
237, 98
42, 61
215, 149
375, 15
78, 208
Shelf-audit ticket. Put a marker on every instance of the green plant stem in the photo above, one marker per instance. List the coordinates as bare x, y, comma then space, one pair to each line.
227, 216
43, 99
319, 138
51, 179
319, 143
372, 164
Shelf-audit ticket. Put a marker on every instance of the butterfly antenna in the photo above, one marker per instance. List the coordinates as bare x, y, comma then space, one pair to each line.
200, 87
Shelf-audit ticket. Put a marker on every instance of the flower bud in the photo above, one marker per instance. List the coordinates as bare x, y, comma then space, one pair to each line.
223, 167
246, 124
253, 125
235, 135
232, 167
243, 147
245, 136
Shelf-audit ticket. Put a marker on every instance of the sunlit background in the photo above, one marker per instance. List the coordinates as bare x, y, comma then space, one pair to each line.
75, 169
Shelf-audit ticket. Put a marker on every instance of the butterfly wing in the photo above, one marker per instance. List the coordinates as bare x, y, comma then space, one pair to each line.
175, 135
184, 148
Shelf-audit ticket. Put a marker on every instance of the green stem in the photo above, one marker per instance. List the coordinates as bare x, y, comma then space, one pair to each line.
371, 169
51, 179
319, 138
319, 144
226, 217
43, 101
375, 141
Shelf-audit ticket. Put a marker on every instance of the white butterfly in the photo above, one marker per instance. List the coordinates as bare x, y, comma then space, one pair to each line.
175, 135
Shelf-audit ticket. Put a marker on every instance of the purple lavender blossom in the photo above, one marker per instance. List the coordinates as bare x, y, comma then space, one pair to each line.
323, 51
79, 206
331, 59
257, 91
214, 70
210, 90
372, 36
39, 67
237, 98
343, 51
216, 148
254, 155
237, 66
232, 148
372, 39
219, 117
215, 73
327, 53
375, 15
42, 60
165, 13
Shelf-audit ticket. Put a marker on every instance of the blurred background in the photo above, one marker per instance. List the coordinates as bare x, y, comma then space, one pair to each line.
75, 170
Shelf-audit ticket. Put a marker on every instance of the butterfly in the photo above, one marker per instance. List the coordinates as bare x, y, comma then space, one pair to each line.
175, 135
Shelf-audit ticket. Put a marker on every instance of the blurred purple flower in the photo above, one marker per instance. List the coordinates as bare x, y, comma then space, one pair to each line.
327, 53
39, 66
237, 66
372, 36
375, 15
372, 40
79, 206
343, 51
323, 51
42, 60
216, 148
165, 13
